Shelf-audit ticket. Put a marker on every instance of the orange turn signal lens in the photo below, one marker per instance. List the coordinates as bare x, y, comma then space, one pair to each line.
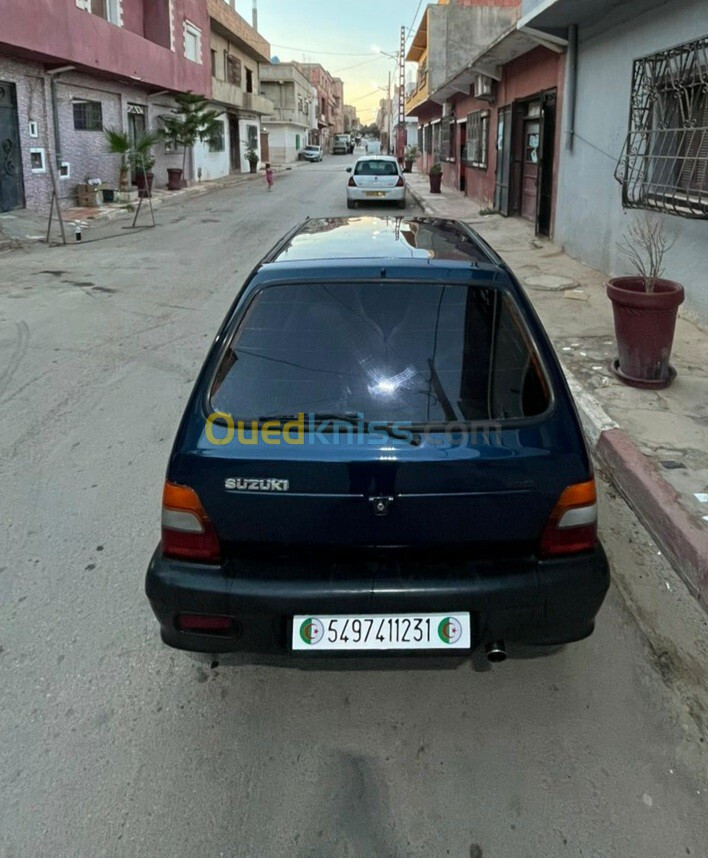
187, 532
572, 526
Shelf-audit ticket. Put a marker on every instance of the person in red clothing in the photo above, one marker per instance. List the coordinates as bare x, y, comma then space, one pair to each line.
270, 177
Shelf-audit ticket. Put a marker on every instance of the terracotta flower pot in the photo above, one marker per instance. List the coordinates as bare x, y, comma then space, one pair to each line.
174, 178
644, 325
144, 183
254, 166
435, 182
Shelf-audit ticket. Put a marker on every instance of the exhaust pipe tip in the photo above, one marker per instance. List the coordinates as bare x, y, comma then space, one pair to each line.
496, 652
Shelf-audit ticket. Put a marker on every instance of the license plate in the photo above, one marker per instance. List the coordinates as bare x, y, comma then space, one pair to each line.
375, 193
382, 632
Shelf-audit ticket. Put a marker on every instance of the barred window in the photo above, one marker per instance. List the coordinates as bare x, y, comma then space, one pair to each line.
447, 139
664, 164
428, 139
232, 66
216, 141
476, 149
88, 116
437, 140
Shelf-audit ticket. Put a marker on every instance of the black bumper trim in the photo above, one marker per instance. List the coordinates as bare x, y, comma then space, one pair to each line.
533, 602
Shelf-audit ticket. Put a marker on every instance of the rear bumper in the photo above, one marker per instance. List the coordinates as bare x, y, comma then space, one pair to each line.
388, 194
545, 602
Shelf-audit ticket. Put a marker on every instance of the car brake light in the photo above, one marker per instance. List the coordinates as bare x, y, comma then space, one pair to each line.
572, 526
400, 183
351, 182
187, 532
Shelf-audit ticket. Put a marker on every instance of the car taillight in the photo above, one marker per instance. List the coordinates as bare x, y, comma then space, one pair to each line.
400, 183
572, 526
351, 182
187, 532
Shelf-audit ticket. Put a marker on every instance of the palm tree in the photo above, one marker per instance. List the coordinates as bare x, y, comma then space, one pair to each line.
118, 143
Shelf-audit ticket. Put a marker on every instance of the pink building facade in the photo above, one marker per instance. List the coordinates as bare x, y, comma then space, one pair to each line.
70, 69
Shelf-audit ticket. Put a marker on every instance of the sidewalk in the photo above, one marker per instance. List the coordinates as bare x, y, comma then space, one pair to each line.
22, 227
652, 444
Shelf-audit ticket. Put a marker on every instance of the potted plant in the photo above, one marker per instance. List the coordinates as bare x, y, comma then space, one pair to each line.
142, 161
435, 175
645, 306
190, 121
118, 143
410, 156
252, 158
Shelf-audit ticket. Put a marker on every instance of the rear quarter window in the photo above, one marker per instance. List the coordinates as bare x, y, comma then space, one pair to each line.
423, 353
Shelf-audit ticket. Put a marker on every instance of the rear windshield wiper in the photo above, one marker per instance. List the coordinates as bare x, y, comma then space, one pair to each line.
350, 417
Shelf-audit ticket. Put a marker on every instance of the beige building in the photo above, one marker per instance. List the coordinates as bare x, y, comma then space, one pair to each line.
291, 122
237, 50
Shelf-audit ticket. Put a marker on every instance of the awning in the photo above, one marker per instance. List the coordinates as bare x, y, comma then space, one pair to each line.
553, 17
419, 45
489, 62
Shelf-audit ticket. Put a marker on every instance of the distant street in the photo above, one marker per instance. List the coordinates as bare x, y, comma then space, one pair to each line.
112, 744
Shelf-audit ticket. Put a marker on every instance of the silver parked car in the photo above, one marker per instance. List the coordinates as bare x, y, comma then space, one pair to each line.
311, 153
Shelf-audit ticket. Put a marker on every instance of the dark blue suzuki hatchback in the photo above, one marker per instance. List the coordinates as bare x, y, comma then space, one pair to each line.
380, 454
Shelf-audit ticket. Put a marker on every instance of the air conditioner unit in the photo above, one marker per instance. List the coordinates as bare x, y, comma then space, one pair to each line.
484, 88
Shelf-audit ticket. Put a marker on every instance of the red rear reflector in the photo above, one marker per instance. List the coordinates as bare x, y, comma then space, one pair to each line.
204, 623
351, 182
400, 183
572, 526
187, 532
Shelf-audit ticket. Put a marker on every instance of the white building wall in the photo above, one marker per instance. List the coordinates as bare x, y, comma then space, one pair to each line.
213, 165
283, 139
243, 140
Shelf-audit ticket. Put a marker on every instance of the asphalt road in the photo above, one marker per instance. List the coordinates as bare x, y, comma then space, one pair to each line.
111, 744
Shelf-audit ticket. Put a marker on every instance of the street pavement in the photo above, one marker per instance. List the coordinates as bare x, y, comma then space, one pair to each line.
111, 744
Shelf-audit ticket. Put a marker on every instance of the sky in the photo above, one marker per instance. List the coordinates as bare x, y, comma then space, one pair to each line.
345, 36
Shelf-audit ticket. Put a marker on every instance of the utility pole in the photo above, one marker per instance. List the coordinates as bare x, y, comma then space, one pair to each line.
389, 112
401, 130
255, 15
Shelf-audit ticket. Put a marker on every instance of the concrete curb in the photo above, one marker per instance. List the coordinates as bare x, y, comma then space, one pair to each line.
654, 501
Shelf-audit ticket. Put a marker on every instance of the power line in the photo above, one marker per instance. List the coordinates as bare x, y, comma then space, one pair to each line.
358, 65
309, 50
410, 29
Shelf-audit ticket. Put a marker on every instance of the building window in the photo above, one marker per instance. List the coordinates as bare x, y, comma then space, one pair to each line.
213, 63
664, 164
216, 142
108, 9
428, 139
33, 128
88, 116
65, 170
252, 136
192, 42
249, 80
447, 139
477, 147
37, 162
233, 69
437, 139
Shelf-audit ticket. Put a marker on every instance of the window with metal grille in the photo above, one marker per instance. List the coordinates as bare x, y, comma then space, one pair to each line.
664, 164
233, 69
428, 135
476, 148
88, 116
447, 139
216, 141
437, 140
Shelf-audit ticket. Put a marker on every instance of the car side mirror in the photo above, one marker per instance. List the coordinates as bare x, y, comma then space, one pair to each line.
349, 169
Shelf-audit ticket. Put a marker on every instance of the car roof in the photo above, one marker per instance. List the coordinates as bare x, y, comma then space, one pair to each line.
380, 237
377, 158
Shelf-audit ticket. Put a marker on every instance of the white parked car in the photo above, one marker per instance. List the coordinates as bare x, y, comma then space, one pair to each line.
376, 178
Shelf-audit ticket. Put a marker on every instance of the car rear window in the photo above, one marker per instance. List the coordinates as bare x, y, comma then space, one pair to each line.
422, 353
375, 168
